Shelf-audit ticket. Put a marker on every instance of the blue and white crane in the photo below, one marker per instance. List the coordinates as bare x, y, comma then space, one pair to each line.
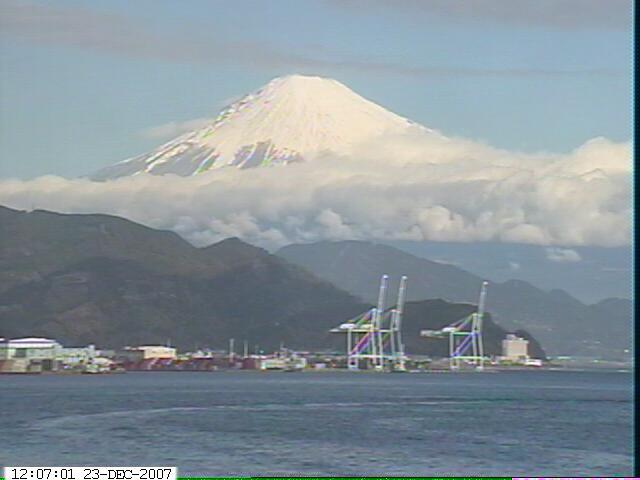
465, 336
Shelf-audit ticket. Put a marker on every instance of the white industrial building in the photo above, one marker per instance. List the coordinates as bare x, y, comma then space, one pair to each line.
74, 356
32, 348
34, 355
144, 352
29, 354
515, 349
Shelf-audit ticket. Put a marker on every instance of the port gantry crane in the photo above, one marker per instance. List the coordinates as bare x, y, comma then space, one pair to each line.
465, 336
375, 335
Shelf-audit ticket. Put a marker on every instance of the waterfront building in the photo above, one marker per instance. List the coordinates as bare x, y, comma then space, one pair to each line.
31, 354
515, 349
31, 348
146, 352
77, 356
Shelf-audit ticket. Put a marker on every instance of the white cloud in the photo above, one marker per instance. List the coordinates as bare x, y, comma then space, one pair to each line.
562, 255
415, 187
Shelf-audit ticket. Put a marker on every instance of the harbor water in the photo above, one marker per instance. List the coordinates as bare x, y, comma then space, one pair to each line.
520, 423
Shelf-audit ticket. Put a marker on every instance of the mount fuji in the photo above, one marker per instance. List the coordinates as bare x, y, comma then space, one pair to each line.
291, 119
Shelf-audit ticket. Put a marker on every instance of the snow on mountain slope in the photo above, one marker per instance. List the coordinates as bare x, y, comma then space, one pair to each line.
290, 119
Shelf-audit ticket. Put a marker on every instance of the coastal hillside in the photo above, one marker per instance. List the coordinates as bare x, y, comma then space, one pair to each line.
105, 280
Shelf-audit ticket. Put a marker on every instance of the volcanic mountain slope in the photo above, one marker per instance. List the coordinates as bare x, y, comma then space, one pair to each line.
37, 243
290, 119
564, 325
113, 303
105, 280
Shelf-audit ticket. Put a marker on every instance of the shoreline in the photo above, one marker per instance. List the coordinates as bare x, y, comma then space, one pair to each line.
343, 371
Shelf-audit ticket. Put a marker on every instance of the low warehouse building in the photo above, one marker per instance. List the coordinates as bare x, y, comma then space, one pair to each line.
32, 354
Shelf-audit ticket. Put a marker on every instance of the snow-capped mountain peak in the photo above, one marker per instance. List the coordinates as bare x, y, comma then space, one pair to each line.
290, 119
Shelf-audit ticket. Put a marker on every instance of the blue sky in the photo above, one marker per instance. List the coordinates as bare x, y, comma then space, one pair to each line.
81, 82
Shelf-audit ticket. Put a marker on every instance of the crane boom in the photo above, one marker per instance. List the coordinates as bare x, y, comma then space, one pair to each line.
483, 296
382, 294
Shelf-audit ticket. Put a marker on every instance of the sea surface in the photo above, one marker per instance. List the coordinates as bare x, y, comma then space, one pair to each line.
520, 423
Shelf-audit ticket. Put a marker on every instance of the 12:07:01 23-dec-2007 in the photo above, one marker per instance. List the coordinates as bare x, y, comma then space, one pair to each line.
90, 473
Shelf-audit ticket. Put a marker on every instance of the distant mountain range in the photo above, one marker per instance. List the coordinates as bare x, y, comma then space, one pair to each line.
564, 325
106, 280
595, 274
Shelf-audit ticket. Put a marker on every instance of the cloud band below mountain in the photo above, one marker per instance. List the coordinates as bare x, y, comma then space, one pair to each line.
412, 188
